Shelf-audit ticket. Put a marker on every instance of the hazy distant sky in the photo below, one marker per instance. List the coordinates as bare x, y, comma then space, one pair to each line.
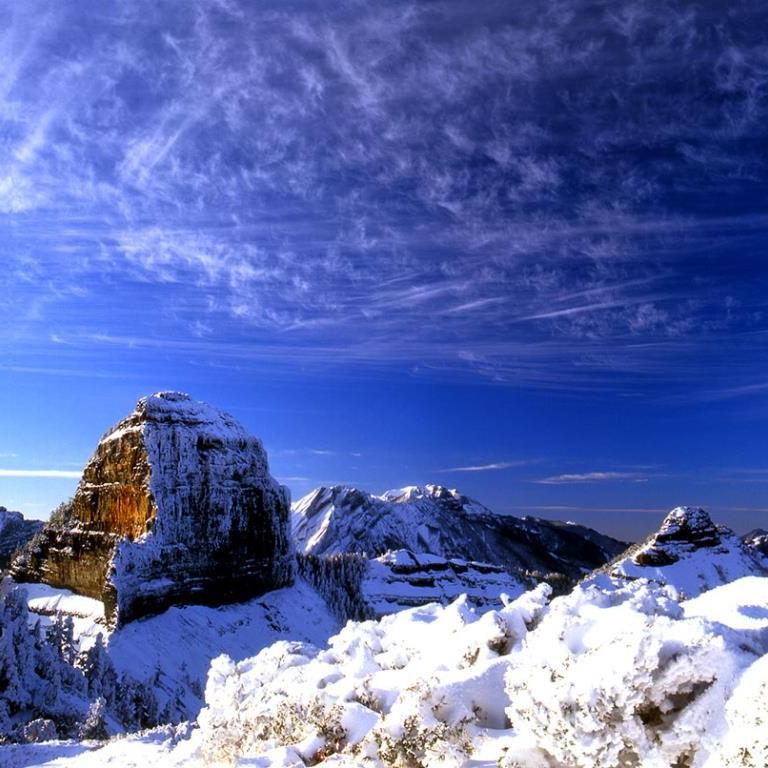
514, 248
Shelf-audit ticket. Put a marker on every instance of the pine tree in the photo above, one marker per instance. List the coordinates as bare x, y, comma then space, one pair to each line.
99, 672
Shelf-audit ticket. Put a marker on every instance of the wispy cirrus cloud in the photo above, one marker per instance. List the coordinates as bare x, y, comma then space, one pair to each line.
525, 196
593, 477
489, 467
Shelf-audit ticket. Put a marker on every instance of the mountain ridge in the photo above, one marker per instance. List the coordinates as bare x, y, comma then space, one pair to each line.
443, 522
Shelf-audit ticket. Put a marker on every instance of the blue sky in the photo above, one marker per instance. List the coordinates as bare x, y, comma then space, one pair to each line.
515, 250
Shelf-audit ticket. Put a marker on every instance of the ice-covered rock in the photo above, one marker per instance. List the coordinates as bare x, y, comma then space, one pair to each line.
175, 506
692, 554
15, 532
443, 522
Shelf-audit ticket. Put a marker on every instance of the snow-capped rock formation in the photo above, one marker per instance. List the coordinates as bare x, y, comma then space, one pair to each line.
402, 579
442, 522
691, 553
15, 532
175, 506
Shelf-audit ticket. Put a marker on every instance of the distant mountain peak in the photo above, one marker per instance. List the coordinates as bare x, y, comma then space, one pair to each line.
692, 553
436, 520
683, 530
428, 491
15, 532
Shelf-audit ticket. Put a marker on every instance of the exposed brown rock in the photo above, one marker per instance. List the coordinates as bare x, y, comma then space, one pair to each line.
175, 506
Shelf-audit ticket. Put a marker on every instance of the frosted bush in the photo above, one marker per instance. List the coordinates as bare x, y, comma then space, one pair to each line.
746, 744
407, 690
619, 679
39, 730
422, 742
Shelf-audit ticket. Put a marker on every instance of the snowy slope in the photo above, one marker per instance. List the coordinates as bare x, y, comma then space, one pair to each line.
435, 520
618, 673
691, 553
174, 649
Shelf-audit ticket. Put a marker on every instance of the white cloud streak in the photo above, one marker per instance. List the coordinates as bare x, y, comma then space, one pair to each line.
488, 467
57, 474
592, 477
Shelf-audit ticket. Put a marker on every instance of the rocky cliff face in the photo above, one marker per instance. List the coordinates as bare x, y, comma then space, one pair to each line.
402, 579
15, 532
175, 506
442, 522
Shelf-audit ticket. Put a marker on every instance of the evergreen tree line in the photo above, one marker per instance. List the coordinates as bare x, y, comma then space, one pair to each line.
49, 689
338, 578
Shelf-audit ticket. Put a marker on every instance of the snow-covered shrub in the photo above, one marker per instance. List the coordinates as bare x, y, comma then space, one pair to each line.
95, 725
247, 715
619, 678
406, 690
38, 730
421, 731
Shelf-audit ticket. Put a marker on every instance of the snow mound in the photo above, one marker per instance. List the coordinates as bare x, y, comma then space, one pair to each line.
624, 674
618, 673
409, 684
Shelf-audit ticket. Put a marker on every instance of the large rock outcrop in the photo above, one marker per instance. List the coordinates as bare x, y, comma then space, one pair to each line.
175, 506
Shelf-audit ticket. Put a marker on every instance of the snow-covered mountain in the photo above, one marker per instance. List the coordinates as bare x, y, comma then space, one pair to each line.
15, 532
455, 655
692, 554
657, 659
438, 521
